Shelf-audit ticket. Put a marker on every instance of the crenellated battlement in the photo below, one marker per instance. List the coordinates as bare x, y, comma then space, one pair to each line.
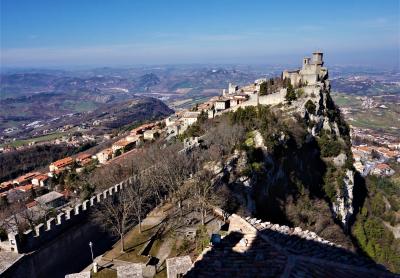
31, 240
249, 224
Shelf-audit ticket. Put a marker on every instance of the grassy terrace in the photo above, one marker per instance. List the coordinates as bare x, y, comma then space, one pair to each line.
134, 243
169, 243
47, 137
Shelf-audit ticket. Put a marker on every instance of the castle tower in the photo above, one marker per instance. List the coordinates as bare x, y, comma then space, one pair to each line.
317, 58
232, 89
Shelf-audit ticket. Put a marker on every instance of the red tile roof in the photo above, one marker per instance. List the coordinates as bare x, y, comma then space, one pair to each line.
26, 177
364, 148
31, 204
6, 186
382, 166
41, 177
26, 188
63, 162
122, 143
142, 128
83, 156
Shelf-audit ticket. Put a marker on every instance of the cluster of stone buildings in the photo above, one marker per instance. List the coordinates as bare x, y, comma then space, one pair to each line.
180, 121
375, 153
20, 189
374, 160
135, 138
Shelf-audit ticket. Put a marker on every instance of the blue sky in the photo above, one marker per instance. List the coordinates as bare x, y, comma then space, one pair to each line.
128, 32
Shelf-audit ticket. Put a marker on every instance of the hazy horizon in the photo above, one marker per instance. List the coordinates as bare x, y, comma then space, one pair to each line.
44, 33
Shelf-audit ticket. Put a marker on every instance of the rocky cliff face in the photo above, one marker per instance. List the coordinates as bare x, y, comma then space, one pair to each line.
343, 207
325, 119
297, 169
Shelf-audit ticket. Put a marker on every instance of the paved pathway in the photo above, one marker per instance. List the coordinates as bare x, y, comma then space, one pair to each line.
164, 251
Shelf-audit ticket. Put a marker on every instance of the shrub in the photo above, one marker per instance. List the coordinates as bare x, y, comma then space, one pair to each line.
300, 92
310, 106
377, 205
333, 180
184, 247
192, 131
202, 239
329, 147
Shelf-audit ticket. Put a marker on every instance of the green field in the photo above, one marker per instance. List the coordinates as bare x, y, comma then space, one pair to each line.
386, 120
47, 137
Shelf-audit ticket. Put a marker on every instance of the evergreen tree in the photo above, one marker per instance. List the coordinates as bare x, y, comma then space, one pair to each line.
290, 94
263, 89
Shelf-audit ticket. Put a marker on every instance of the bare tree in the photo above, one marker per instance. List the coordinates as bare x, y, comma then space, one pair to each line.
203, 192
224, 137
10, 219
170, 170
115, 214
140, 193
105, 177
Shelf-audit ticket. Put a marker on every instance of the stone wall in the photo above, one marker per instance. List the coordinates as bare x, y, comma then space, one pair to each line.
32, 240
68, 253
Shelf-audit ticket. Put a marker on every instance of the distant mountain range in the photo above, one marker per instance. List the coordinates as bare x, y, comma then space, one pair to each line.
42, 95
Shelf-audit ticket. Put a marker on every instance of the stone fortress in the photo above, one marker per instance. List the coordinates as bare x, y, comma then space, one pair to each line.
311, 72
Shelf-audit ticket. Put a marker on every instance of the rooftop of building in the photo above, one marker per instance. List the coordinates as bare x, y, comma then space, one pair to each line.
191, 114
106, 151
6, 184
83, 156
63, 162
49, 197
382, 166
151, 131
122, 143
222, 99
41, 177
26, 177
25, 188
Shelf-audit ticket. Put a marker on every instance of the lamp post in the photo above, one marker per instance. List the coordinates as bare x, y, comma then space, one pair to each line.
91, 251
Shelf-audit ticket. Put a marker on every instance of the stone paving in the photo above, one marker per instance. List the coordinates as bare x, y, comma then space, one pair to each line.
7, 259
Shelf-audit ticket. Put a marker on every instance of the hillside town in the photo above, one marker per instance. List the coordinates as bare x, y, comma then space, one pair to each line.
39, 192
171, 127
